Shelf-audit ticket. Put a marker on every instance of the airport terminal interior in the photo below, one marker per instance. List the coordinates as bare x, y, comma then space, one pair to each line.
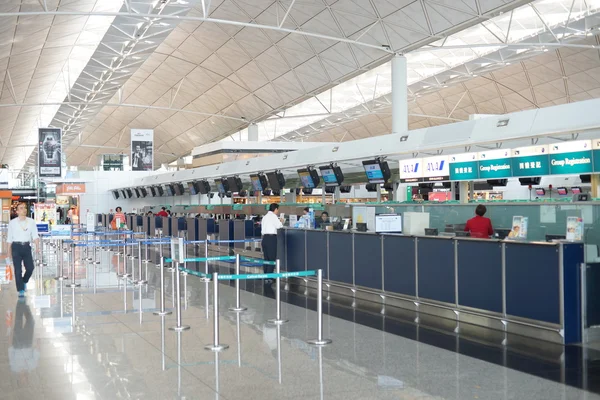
300, 199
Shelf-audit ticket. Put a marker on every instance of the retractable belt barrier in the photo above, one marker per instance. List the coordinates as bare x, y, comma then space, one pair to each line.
232, 277
235, 241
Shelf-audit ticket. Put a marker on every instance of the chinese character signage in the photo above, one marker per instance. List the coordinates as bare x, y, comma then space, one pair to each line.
142, 149
411, 170
50, 152
530, 161
464, 167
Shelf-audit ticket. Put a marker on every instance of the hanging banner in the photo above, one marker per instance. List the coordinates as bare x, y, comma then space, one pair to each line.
142, 149
571, 158
50, 152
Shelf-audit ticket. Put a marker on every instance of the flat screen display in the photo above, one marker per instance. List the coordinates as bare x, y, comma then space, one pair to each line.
123, 194
115, 194
388, 223
256, 185
234, 184
169, 190
374, 173
563, 191
576, 189
143, 192
275, 179
153, 191
129, 193
178, 189
203, 187
192, 188
219, 185
540, 192
306, 179
329, 176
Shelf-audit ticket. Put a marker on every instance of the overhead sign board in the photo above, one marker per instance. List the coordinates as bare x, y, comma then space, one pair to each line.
495, 164
571, 157
464, 167
411, 170
530, 161
436, 169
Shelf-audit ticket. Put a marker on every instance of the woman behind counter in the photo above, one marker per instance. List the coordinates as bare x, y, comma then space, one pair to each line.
480, 226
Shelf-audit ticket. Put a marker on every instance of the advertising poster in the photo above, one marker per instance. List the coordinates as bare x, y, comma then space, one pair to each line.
45, 216
519, 228
50, 152
142, 149
574, 228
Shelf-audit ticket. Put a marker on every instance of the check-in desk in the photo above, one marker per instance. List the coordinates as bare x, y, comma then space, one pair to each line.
242, 230
146, 226
166, 226
192, 229
206, 227
137, 223
528, 288
226, 230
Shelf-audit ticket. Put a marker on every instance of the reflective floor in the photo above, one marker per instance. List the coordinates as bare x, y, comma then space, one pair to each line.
102, 341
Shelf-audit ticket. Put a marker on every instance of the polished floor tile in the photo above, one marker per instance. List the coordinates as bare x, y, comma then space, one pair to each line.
102, 341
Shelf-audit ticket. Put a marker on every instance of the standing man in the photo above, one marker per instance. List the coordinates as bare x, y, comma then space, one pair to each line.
270, 224
21, 232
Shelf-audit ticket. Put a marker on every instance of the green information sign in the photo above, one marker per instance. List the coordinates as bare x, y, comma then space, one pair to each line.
596, 160
578, 162
495, 169
537, 165
464, 171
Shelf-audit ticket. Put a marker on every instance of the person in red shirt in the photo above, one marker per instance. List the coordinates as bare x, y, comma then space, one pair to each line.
480, 226
162, 213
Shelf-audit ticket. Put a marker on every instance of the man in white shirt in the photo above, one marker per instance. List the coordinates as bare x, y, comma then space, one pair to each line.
21, 232
269, 226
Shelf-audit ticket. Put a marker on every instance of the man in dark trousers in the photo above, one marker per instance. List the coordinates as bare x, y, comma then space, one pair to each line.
269, 226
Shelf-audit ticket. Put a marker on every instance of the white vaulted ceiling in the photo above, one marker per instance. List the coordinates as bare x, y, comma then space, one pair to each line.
198, 71
247, 74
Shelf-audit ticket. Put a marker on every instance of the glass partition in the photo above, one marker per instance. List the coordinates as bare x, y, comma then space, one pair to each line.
544, 219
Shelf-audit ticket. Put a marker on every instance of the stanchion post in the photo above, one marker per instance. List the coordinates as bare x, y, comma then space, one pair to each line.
216, 346
238, 307
206, 260
73, 284
147, 259
278, 320
319, 341
61, 264
140, 280
179, 327
96, 261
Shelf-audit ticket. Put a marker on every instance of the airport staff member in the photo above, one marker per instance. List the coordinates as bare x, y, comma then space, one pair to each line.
162, 212
21, 232
270, 224
480, 226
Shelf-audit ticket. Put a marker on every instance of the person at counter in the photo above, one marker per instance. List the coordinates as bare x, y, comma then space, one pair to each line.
480, 226
118, 219
323, 220
270, 224
305, 212
162, 212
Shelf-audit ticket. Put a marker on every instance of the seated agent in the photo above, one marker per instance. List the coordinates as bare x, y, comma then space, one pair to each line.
480, 226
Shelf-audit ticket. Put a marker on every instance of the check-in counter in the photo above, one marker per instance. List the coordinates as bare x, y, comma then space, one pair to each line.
166, 226
226, 230
528, 288
178, 226
242, 230
146, 225
206, 227
192, 229
137, 223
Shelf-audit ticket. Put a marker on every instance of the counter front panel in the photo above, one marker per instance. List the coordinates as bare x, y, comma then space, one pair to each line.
367, 261
436, 269
296, 245
340, 257
316, 251
399, 265
480, 275
532, 281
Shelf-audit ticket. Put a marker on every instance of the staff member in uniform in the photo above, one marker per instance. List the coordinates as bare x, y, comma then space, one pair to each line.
21, 232
480, 226
270, 224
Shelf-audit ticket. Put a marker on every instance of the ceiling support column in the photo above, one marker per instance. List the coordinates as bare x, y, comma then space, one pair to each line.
399, 94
